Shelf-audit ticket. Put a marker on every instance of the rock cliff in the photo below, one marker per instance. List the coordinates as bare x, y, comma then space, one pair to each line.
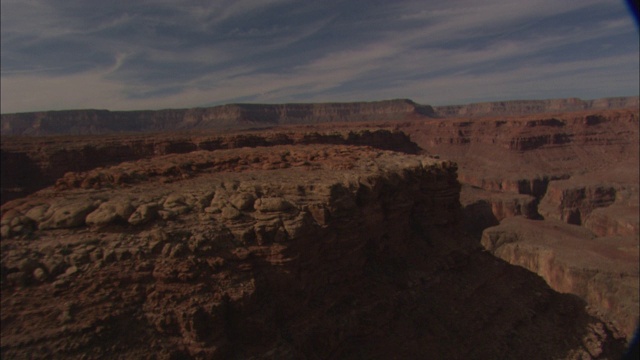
525, 107
87, 122
317, 241
289, 252
31, 163
601, 270
237, 116
578, 168
592, 170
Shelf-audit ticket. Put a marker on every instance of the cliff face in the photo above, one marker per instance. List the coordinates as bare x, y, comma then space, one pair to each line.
85, 122
29, 164
236, 116
314, 241
526, 107
603, 271
557, 195
289, 252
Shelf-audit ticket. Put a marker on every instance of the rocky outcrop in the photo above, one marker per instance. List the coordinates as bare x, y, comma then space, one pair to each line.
591, 179
289, 252
614, 220
534, 186
602, 271
301, 251
29, 164
579, 168
482, 208
572, 202
524, 107
87, 122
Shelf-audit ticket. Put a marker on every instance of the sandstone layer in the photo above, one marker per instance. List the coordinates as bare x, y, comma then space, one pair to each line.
577, 168
242, 116
318, 242
524, 107
86, 122
290, 252
601, 270
31, 163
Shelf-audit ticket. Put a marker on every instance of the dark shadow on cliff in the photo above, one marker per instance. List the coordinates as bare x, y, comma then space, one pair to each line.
409, 298
476, 217
20, 176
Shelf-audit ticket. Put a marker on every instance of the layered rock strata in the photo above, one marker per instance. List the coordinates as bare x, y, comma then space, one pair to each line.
31, 163
523, 107
602, 270
579, 168
285, 252
86, 122
589, 178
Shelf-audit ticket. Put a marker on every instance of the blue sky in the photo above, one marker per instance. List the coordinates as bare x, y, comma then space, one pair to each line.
153, 54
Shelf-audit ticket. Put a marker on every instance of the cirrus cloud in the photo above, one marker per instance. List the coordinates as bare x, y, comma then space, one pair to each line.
155, 54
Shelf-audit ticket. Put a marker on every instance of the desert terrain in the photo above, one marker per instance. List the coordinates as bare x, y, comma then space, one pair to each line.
375, 230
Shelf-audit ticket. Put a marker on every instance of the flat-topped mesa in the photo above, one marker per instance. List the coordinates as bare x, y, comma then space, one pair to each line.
526, 107
232, 116
330, 112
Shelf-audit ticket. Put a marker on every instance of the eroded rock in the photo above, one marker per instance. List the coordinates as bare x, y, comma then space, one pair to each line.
351, 243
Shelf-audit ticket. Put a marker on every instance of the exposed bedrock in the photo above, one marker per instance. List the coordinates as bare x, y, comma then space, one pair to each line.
601, 270
514, 167
319, 251
509, 183
604, 208
483, 208
614, 220
93, 122
88, 122
351, 253
520, 107
572, 202
584, 180
29, 164
484, 147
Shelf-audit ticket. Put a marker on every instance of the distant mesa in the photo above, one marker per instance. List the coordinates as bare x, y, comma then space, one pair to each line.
231, 116
527, 107
239, 116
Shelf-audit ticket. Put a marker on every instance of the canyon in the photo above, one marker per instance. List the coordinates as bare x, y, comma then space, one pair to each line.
321, 231
243, 116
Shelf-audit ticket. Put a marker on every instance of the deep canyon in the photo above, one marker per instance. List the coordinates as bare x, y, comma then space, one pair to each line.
322, 231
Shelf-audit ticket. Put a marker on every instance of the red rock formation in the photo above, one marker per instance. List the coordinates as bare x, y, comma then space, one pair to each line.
534, 166
523, 107
571, 202
86, 122
29, 164
286, 252
603, 271
590, 178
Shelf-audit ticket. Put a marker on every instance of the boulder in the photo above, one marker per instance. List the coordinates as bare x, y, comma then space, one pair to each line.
110, 212
273, 204
143, 214
67, 214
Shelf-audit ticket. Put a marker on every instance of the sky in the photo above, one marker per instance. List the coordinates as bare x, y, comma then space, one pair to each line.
158, 54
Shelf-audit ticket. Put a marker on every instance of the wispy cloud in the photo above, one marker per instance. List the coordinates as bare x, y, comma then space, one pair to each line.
155, 53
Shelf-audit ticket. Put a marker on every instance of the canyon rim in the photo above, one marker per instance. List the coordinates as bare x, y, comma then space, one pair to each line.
383, 230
